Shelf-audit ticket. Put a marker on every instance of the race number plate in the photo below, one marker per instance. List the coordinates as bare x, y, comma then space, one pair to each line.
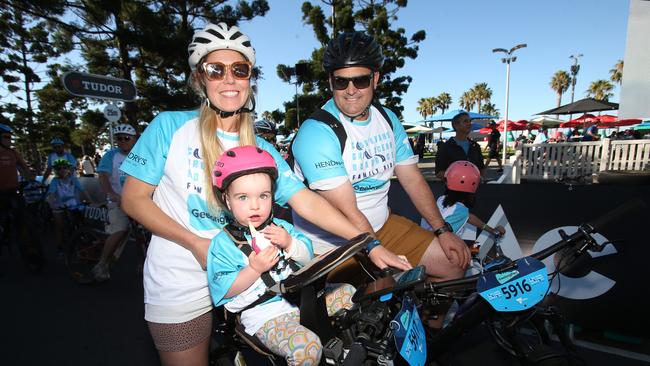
409, 334
517, 289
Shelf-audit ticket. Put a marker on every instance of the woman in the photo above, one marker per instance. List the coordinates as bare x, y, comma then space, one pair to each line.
168, 191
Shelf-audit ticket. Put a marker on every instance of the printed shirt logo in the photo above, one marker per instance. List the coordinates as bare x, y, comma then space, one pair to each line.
200, 217
370, 158
194, 179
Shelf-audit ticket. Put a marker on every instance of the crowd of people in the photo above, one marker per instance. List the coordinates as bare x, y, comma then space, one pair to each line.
208, 184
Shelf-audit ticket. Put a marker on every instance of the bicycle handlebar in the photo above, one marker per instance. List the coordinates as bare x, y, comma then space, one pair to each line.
583, 231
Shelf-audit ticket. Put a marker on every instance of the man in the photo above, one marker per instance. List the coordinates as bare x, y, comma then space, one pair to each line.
591, 133
11, 200
459, 147
494, 139
111, 180
542, 136
59, 153
356, 179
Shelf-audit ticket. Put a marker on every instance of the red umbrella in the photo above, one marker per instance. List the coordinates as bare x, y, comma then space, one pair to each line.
607, 118
619, 123
512, 126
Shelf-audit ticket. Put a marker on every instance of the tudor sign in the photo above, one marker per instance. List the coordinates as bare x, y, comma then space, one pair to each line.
98, 86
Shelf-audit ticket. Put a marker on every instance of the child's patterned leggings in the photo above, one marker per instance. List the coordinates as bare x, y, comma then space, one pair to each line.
285, 336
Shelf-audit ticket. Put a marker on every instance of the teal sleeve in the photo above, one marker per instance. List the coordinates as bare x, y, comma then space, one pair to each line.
402, 146
287, 183
223, 266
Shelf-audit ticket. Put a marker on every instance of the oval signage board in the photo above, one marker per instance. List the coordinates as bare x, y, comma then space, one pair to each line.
98, 86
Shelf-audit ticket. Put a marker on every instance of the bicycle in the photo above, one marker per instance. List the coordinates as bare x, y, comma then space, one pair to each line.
84, 248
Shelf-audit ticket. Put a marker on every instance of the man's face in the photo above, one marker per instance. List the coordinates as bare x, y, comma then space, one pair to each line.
58, 148
357, 94
463, 124
125, 142
5, 140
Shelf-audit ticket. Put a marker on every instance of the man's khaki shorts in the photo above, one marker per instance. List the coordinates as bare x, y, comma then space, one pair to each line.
117, 219
399, 235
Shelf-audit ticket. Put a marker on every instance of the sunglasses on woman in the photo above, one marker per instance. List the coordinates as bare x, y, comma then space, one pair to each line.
360, 82
241, 70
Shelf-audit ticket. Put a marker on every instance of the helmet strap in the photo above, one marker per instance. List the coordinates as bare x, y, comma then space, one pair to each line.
365, 112
224, 114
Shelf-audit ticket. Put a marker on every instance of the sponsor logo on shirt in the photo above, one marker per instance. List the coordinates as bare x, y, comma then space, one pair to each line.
368, 185
200, 217
328, 164
137, 159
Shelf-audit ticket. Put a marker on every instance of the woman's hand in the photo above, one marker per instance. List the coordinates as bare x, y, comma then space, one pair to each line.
278, 236
265, 260
200, 247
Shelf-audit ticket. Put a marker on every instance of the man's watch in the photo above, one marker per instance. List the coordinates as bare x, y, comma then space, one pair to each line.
445, 228
372, 245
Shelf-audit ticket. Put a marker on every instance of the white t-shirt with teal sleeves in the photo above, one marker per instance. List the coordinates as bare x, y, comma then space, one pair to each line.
110, 164
456, 215
371, 152
168, 156
225, 261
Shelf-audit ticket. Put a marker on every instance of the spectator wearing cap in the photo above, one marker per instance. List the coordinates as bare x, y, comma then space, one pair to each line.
59, 153
459, 147
494, 139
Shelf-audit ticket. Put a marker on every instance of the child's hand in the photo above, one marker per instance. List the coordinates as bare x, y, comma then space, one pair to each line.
265, 260
277, 235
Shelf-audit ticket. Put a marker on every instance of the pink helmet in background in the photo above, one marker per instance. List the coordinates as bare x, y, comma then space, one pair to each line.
462, 176
239, 161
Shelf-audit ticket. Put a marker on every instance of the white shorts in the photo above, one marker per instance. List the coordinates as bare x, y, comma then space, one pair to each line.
117, 219
177, 313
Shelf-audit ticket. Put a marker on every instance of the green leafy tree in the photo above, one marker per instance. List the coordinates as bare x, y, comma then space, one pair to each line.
616, 74
27, 44
373, 17
600, 89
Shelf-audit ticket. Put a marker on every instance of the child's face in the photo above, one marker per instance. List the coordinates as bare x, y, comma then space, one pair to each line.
62, 172
250, 198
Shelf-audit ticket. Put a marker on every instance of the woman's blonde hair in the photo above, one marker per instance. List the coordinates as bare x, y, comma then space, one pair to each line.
211, 147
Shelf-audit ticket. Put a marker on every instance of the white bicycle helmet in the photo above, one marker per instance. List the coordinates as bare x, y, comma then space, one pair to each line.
124, 129
219, 37
264, 126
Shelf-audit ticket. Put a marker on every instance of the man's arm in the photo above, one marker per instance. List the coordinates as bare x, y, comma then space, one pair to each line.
105, 186
22, 167
420, 194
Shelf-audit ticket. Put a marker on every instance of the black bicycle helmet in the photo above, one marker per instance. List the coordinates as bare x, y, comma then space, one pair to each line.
353, 49
264, 126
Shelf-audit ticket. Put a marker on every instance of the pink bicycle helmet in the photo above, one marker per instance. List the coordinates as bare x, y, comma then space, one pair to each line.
239, 161
463, 176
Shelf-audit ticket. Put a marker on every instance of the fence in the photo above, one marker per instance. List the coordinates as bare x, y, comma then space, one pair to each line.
574, 160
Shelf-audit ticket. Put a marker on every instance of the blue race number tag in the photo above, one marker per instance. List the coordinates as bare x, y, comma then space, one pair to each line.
409, 334
517, 289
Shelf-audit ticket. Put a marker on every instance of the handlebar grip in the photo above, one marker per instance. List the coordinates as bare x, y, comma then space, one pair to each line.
356, 355
619, 211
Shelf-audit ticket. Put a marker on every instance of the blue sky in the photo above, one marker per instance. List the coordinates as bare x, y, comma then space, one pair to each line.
457, 52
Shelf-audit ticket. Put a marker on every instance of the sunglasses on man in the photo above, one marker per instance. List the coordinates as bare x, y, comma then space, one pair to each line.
241, 70
123, 138
359, 82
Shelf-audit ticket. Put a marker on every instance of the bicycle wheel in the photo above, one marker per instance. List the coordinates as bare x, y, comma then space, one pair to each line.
83, 252
517, 336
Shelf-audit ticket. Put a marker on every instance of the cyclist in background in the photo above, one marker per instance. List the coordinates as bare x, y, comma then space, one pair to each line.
64, 193
111, 180
59, 153
266, 130
11, 201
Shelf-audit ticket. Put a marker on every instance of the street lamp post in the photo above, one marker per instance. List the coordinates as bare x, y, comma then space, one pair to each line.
507, 60
575, 68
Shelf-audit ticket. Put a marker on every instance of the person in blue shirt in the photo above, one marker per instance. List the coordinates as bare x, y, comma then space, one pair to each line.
64, 193
59, 153
256, 250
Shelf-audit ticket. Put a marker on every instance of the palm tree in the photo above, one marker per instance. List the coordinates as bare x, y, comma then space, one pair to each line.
490, 108
481, 92
467, 100
266, 115
600, 89
560, 84
425, 107
616, 74
444, 101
